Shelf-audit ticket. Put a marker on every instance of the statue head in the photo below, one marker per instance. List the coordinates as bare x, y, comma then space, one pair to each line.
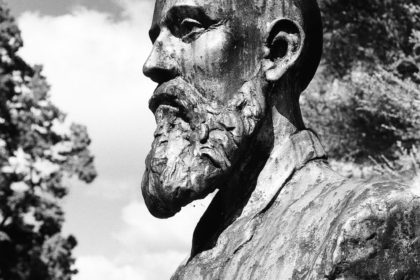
220, 66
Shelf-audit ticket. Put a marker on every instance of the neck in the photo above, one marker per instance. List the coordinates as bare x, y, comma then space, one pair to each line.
285, 115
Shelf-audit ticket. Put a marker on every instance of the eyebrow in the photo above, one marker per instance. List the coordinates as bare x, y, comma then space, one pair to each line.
176, 14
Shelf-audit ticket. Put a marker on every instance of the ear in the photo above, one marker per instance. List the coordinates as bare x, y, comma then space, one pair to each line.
283, 47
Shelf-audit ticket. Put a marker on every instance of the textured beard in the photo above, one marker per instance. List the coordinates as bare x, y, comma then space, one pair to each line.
196, 145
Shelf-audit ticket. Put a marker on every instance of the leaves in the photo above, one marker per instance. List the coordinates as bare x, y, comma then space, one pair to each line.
38, 149
365, 101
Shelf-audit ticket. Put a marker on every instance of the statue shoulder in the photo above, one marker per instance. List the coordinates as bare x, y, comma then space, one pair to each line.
384, 195
379, 235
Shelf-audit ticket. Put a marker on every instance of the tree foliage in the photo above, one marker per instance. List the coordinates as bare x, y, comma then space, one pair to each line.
38, 150
365, 100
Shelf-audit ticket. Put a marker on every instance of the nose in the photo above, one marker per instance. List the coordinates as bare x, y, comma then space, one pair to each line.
161, 65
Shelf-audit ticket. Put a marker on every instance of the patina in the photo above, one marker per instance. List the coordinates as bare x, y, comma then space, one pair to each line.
229, 77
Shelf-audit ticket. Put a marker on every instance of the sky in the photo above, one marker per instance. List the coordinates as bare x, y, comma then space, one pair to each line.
92, 52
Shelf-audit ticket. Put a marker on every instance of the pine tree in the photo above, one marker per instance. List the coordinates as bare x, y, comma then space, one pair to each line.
38, 150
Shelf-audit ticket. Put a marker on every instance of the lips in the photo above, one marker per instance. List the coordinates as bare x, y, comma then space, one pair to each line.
169, 101
177, 95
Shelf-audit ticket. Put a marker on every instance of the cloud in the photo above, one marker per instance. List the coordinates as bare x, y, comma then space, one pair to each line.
98, 267
144, 233
94, 66
93, 63
150, 248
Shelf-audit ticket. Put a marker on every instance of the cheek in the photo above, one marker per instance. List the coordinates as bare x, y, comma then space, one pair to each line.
208, 64
211, 51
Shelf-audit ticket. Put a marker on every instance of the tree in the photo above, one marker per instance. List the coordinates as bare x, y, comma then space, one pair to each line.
365, 100
38, 150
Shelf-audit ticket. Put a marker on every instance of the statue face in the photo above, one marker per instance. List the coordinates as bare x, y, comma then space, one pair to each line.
209, 98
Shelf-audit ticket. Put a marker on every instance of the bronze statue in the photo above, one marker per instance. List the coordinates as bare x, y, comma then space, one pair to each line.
229, 77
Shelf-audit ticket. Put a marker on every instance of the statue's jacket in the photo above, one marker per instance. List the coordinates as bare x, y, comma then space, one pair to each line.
304, 221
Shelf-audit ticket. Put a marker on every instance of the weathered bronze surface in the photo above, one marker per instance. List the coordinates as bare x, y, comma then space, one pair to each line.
229, 77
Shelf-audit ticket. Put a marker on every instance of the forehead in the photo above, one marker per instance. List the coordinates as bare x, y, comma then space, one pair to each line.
212, 8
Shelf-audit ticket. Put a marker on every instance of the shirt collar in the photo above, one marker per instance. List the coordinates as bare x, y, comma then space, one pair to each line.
285, 159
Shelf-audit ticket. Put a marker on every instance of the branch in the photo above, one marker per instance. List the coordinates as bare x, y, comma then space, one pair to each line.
4, 221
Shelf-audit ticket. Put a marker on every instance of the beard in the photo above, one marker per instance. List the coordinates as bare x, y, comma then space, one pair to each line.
197, 141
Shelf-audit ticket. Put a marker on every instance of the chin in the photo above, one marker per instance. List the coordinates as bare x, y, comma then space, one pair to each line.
165, 196
157, 207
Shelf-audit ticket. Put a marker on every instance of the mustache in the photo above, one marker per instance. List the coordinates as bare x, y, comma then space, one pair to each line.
178, 94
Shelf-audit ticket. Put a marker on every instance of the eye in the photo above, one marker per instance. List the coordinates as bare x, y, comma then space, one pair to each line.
190, 27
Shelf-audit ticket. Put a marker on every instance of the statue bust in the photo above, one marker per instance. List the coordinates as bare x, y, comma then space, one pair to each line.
229, 77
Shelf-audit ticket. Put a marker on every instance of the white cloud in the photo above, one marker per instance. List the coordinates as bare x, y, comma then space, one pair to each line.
93, 64
151, 248
145, 233
154, 267
98, 267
